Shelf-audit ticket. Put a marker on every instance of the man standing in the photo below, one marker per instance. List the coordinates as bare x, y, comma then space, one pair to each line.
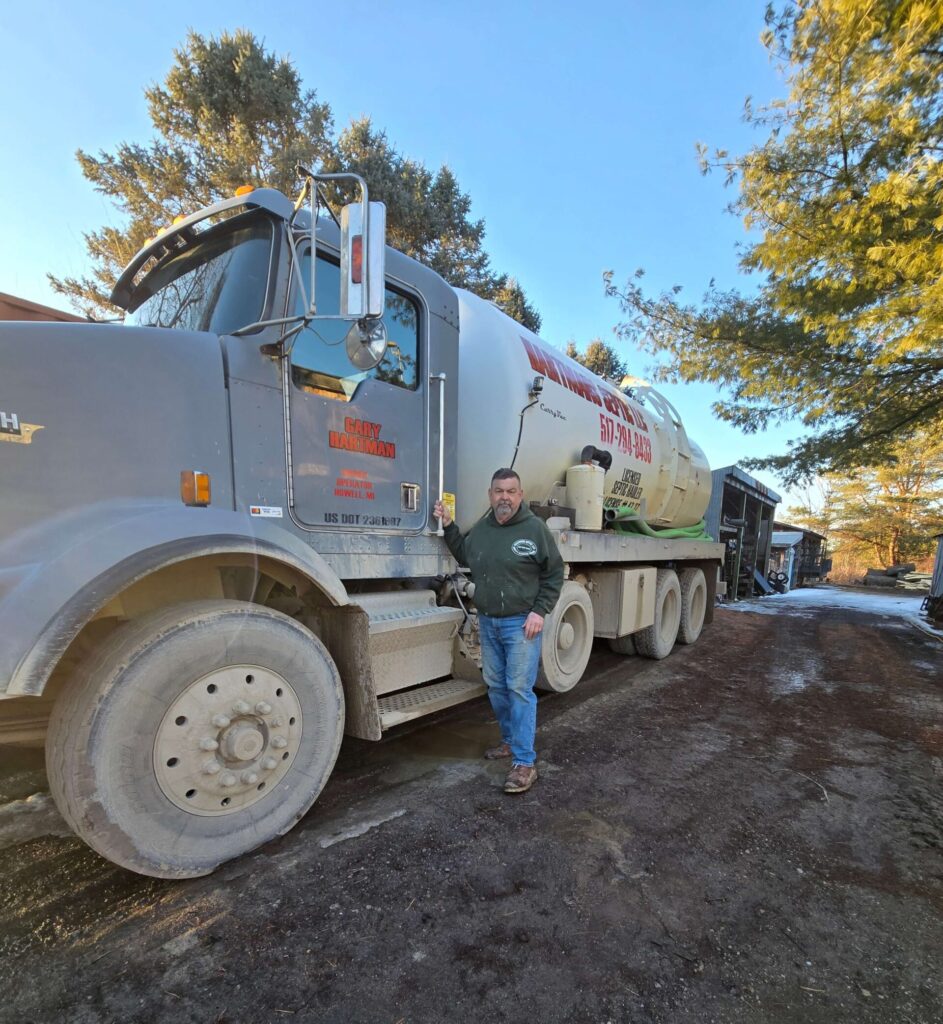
518, 575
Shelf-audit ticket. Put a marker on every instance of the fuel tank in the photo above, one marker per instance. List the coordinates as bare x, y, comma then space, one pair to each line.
524, 404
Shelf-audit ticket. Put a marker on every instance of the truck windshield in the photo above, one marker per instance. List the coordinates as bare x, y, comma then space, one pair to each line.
217, 285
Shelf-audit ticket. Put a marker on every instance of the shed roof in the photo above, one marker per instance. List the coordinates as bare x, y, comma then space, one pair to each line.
801, 529
12, 307
736, 477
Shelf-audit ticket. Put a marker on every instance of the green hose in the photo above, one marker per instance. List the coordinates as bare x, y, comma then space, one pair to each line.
627, 521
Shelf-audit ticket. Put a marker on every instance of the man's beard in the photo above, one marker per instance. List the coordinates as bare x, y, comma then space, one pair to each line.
504, 509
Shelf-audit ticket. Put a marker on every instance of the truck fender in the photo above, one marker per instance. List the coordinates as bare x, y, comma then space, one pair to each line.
58, 574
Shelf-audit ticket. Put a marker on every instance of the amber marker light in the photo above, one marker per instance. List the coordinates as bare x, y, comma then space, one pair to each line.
194, 487
244, 190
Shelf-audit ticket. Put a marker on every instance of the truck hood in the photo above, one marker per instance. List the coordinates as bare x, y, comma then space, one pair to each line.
97, 412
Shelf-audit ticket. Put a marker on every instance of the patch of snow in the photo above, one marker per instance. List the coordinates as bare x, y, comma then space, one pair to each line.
182, 943
358, 829
22, 820
809, 599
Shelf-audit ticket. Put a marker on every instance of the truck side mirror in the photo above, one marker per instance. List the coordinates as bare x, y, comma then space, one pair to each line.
363, 261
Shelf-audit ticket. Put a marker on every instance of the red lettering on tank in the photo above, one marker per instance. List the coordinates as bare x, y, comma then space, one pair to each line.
538, 361
582, 384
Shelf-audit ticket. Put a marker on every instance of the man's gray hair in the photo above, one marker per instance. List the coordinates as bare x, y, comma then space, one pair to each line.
504, 474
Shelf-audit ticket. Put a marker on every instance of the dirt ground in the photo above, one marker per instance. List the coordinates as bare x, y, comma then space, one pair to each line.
748, 831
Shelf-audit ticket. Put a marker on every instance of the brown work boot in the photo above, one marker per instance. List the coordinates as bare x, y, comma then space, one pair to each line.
497, 753
520, 779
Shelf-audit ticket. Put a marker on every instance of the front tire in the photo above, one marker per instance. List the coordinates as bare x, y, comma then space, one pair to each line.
195, 734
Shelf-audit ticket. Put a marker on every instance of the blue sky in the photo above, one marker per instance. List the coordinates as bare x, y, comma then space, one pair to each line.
572, 126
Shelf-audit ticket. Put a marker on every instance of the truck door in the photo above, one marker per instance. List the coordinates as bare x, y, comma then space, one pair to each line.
359, 438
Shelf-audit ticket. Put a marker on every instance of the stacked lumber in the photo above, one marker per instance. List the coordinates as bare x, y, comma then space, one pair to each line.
914, 581
901, 577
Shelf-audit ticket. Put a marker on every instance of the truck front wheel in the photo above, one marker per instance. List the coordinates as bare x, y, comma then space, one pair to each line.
195, 734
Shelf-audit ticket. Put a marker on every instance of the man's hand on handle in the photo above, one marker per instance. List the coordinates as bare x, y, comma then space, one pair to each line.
440, 511
533, 625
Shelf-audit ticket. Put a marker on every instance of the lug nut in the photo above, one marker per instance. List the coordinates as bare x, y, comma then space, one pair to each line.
241, 708
221, 721
208, 743
228, 779
268, 763
249, 778
263, 708
277, 723
210, 768
279, 741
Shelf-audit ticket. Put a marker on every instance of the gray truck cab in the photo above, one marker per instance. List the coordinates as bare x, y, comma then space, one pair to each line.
216, 544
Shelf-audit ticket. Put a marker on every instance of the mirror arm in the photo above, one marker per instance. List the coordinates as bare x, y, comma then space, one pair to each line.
238, 333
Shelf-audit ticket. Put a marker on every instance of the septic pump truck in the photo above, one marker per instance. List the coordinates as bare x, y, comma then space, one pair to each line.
217, 550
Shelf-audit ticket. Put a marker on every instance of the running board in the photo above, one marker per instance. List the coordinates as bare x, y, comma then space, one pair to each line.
397, 708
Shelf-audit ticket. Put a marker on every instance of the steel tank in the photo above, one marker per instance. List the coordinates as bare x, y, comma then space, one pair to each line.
522, 403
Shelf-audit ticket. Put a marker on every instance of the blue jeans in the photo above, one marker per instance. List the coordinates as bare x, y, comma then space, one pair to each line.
509, 664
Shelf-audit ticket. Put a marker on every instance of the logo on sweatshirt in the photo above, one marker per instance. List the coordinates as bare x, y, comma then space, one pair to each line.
524, 548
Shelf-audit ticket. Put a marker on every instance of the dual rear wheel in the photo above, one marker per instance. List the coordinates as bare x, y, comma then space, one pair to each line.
680, 610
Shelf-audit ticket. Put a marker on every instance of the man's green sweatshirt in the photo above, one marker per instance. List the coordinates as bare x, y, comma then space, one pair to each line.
516, 566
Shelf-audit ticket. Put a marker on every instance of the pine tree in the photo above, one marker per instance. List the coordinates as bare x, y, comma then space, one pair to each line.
601, 358
230, 113
846, 194
891, 512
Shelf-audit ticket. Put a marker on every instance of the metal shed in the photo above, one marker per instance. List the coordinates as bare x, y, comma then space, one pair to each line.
810, 563
740, 514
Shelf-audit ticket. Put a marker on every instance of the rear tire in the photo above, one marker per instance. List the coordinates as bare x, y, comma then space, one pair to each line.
693, 604
622, 644
657, 640
193, 735
567, 640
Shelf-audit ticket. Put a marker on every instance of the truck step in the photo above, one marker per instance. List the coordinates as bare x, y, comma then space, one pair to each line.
411, 637
397, 708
